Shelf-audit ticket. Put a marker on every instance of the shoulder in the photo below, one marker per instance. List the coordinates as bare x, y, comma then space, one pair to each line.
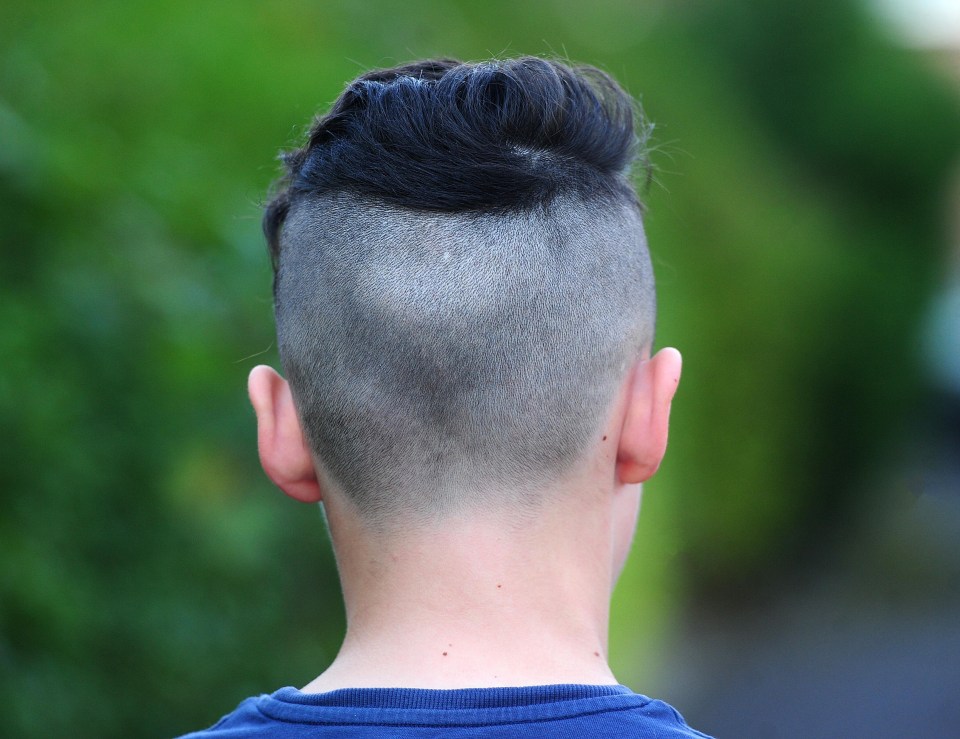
654, 718
247, 720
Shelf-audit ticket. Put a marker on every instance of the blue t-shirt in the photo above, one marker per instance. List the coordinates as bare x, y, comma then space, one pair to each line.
544, 711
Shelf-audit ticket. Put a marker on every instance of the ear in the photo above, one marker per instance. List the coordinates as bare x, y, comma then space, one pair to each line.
643, 438
284, 453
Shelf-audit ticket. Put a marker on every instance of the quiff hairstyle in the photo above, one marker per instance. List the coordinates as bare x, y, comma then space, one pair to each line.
461, 280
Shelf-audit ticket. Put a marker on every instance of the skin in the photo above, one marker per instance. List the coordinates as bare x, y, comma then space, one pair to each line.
474, 599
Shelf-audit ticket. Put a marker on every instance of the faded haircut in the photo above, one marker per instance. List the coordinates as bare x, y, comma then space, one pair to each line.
461, 280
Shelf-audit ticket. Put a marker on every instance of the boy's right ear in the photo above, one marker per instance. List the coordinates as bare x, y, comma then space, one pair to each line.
284, 453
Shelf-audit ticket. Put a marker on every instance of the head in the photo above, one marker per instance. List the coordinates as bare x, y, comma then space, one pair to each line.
462, 285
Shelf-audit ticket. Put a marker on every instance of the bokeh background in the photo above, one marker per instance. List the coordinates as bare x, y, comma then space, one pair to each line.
797, 566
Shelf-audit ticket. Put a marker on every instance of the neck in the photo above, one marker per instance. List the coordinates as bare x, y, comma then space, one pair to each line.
475, 602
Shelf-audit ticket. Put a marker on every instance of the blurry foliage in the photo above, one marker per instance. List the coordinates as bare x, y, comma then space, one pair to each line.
150, 578
830, 261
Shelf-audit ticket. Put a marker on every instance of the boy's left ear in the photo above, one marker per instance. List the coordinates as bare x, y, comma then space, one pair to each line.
643, 438
284, 453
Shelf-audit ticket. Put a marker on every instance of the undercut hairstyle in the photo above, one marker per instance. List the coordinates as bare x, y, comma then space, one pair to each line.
461, 280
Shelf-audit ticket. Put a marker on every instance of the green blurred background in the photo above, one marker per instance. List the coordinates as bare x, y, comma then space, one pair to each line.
151, 578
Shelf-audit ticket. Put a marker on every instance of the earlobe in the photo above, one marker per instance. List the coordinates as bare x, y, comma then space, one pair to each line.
643, 439
284, 453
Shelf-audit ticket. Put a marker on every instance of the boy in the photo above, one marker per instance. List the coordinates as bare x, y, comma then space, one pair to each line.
465, 309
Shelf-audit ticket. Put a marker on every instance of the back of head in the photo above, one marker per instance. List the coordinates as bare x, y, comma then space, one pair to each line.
462, 281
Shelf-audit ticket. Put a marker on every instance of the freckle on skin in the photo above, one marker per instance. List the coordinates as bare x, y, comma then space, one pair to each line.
595, 654
444, 654
604, 438
499, 585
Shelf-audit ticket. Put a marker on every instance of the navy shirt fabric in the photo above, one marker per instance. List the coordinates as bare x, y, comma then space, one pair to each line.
545, 711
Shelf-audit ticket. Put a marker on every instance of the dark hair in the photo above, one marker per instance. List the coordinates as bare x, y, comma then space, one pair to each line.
446, 136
